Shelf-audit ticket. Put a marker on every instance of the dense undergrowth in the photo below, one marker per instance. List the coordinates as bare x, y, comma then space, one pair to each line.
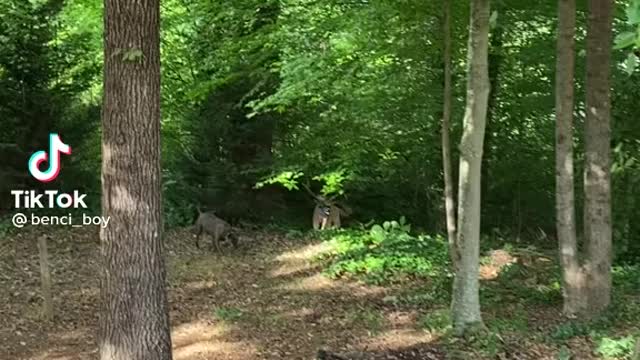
521, 297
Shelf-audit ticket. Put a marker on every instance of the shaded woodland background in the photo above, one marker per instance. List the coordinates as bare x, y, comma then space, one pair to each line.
259, 97
251, 89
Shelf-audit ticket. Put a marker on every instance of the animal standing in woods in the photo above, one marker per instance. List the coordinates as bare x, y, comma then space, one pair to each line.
217, 228
320, 217
327, 214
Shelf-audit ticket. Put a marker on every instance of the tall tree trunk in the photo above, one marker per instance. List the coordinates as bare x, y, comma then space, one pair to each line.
134, 322
449, 200
465, 304
597, 177
496, 60
572, 274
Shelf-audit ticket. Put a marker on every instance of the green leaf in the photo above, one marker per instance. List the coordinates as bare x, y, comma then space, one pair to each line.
631, 63
564, 353
493, 20
377, 233
624, 40
633, 13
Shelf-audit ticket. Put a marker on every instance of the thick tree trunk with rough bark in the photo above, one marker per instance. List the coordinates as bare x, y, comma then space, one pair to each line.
134, 322
449, 200
572, 274
465, 306
597, 176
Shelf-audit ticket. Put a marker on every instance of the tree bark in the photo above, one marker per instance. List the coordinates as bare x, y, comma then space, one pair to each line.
597, 176
134, 322
465, 306
572, 274
449, 200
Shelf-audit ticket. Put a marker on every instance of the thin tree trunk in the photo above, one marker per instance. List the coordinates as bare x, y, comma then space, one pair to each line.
134, 322
597, 177
496, 60
45, 279
465, 304
572, 275
449, 200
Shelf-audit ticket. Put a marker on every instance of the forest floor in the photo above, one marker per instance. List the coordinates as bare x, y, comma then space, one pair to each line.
267, 300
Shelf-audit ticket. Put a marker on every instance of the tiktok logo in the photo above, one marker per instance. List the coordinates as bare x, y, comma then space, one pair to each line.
56, 146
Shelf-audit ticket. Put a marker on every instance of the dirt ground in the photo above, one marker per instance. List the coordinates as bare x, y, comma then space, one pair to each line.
264, 301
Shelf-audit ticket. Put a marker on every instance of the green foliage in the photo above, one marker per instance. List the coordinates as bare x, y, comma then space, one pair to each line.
380, 233
626, 279
5, 226
630, 39
436, 292
512, 320
386, 254
437, 321
529, 285
612, 348
260, 92
624, 312
372, 319
488, 343
625, 172
271, 92
229, 314
569, 330
288, 179
564, 354
334, 182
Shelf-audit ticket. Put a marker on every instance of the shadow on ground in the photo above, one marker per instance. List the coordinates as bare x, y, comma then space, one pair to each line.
266, 301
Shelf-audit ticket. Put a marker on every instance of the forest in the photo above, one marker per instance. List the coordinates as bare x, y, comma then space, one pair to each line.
319, 179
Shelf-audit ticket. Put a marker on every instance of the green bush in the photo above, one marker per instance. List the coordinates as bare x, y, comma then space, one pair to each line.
386, 253
611, 348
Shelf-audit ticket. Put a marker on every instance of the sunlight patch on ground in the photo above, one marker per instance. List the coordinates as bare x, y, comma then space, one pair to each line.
49, 356
496, 262
215, 349
299, 313
199, 285
71, 335
202, 340
401, 319
203, 267
187, 334
314, 282
318, 283
304, 253
397, 339
298, 260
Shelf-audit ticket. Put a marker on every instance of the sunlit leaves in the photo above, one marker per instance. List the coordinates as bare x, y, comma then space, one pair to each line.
630, 39
625, 40
633, 13
288, 179
631, 63
334, 182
